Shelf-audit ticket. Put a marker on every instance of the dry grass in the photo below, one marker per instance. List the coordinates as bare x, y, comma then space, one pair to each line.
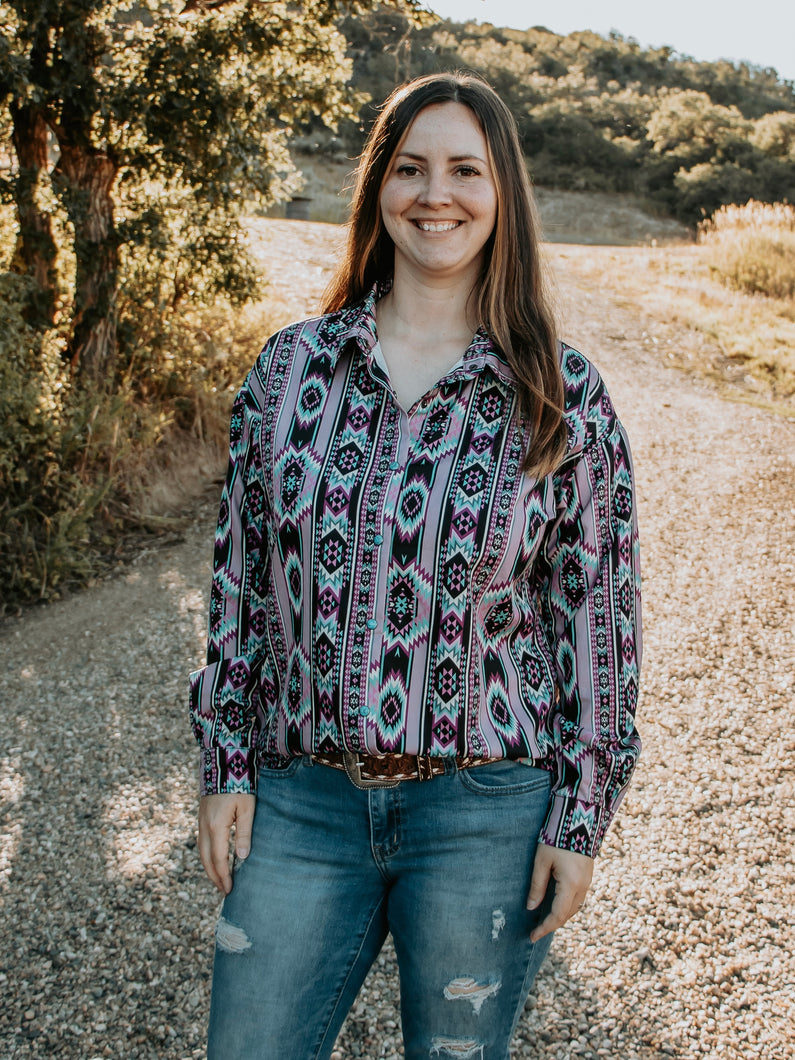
751, 248
601, 218
163, 480
745, 342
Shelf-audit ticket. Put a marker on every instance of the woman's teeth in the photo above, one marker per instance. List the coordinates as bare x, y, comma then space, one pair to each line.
438, 226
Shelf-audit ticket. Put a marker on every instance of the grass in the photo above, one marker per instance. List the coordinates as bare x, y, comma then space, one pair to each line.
745, 342
751, 248
106, 471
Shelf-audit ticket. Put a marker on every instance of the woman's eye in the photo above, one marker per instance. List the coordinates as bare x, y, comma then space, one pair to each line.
407, 170
467, 171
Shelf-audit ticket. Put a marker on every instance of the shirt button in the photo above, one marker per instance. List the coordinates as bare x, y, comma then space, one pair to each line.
371, 623
364, 711
394, 466
379, 539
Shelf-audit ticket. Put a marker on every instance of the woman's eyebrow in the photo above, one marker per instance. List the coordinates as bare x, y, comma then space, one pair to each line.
452, 158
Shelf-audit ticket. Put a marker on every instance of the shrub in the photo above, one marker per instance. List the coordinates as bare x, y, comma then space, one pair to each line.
41, 500
82, 469
752, 247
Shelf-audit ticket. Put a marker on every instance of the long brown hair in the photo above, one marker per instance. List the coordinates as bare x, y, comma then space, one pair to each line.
512, 302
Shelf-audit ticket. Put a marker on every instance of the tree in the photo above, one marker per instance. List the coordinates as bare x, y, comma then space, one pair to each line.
196, 105
687, 125
775, 135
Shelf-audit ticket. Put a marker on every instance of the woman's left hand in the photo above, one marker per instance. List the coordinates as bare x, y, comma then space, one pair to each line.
572, 874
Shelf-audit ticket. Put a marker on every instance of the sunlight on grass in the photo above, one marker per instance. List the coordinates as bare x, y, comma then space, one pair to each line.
755, 334
744, 341
751, 248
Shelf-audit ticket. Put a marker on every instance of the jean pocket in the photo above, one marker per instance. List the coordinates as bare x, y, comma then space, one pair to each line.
274, 767
505, 777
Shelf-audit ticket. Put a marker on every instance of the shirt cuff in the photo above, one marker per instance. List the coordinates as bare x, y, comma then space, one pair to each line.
575, 825
228, 771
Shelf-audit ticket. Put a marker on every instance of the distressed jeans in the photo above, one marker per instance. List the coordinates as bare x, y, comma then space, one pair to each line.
443, 864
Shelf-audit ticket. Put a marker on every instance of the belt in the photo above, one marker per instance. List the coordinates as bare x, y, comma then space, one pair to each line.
387, 771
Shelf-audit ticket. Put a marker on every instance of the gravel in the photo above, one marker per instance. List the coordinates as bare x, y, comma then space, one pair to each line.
685, 947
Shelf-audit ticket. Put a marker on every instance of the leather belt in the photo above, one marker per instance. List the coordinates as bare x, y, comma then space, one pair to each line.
387, 771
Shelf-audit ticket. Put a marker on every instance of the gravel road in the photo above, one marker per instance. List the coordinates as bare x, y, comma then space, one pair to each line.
686, 945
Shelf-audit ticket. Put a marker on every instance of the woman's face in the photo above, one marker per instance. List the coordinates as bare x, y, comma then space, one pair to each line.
439, 197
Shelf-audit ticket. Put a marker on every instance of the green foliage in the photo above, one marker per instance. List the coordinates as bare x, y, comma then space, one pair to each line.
74, 462
46, 501
752, 248
604, 114
774, 134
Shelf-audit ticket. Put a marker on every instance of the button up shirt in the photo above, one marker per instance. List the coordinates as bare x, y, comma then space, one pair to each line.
391, 581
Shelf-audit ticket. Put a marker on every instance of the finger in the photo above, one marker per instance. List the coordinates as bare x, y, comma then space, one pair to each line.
219, 855
539, 882
216, 814
208, 861
557, 916
214, 854
243, 825
568, 901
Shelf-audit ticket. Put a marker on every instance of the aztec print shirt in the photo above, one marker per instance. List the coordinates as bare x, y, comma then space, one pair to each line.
392, 582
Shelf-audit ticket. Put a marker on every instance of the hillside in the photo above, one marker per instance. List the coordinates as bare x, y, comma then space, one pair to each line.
594, 113
611, 218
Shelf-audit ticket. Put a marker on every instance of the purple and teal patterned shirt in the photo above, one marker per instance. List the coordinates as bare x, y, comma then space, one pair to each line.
392, 582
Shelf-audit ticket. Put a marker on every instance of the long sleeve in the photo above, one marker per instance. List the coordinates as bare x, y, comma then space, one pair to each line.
591, 601
224, 694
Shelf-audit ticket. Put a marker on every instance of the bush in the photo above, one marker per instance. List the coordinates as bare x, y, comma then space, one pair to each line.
82, 469
44, 501
752, 247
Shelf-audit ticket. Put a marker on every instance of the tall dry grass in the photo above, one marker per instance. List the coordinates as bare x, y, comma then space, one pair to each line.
752, 248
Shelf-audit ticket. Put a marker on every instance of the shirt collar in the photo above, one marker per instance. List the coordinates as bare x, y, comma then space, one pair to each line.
359, 328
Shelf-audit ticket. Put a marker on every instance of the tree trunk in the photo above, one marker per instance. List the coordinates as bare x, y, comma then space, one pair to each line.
36, 251
86, 175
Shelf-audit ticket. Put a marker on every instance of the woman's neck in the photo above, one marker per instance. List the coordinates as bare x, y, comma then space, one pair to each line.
433, 314
423, 333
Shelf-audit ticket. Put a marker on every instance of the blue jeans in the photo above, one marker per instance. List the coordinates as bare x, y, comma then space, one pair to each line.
443, 864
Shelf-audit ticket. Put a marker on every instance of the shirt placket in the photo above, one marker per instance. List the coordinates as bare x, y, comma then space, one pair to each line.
394, 459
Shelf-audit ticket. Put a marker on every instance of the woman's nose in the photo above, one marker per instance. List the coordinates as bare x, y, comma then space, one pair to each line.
436, 189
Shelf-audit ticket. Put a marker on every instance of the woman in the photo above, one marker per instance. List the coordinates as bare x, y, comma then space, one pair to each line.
424, 638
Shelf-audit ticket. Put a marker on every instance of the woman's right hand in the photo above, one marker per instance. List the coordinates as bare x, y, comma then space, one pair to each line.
217, 814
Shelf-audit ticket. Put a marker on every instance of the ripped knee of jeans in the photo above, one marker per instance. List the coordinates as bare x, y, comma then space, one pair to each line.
469, 989
230, 938
457, 1048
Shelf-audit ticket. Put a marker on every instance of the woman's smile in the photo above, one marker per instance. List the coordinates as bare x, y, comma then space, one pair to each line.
437, 226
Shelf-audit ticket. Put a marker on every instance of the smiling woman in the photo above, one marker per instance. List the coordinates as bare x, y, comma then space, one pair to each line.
424, 628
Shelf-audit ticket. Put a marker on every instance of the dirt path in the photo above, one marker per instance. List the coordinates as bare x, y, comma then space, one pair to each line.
685, 947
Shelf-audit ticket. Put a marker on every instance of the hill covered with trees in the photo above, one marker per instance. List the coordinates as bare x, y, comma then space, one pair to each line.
602, 114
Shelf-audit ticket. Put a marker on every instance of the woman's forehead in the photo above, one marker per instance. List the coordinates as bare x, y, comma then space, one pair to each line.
450, 125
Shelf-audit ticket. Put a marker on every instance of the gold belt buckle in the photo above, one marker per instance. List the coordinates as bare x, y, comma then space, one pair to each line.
353, 767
